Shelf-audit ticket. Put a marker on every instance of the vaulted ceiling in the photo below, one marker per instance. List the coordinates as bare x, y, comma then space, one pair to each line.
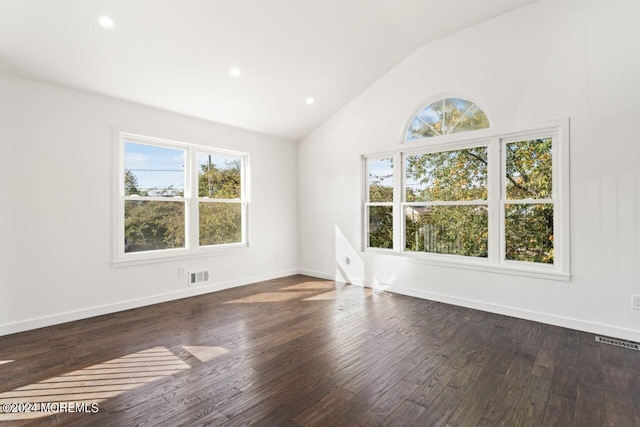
176, 54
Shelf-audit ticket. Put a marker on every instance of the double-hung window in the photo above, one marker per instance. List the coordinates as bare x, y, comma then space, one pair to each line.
178, 199
493, 200
446, 207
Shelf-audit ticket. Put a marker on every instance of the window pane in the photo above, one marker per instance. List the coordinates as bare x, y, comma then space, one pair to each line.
446, 116
381, 227
150, 225
153, 171
381, 180
419, 129
458, 230
465, 116
220, 223
529, 168
447, 176
219, 176
529, 232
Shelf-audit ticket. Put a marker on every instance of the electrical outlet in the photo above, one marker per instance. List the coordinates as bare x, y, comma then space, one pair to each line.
180, 271
635, 302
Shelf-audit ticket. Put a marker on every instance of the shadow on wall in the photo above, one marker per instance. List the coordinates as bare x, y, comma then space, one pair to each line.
350, 267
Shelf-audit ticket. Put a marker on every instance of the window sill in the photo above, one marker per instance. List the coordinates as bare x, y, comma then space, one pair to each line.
134, 259
450, 261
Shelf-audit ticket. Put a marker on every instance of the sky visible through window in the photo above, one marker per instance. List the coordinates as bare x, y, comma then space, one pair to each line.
381, 172
155, 167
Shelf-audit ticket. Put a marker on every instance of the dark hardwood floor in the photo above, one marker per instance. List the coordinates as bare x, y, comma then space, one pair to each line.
303, 351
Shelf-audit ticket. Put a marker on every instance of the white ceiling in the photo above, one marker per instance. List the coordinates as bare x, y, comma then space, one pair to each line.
176, 54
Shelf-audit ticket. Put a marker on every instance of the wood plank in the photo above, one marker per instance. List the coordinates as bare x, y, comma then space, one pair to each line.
531, 408
387, 403
433, 385
470, 410
560, 411
544, 364
442, 407
616, 385
407, 414
617, 415
328, 411
520, 369
502, 405
299, 350
589, 407
589, 355
565, 382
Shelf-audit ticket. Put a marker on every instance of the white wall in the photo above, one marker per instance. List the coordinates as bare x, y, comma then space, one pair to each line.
552, 59
56, 216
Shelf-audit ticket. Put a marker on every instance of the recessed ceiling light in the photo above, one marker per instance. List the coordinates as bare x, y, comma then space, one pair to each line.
235, 72
106, 22
309, 101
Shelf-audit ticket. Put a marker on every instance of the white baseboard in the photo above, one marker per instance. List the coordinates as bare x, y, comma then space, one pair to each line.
566, 322
55, 319
319, 275
551, 319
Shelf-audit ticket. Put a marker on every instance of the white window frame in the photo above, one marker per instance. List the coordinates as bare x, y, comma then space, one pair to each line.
494, 140
192, 247
368, 203
443, 96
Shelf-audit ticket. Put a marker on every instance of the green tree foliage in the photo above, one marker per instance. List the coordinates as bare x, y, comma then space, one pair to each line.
130, 183
529, 232
220, 181
220, 222
381, 217
381, 227
461, 175
153, 225
447, 176
529, 227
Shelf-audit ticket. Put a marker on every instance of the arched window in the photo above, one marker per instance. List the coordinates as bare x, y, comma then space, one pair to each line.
444, 117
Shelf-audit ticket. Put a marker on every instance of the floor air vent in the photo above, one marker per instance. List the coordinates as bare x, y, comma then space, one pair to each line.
198, 277
619, 343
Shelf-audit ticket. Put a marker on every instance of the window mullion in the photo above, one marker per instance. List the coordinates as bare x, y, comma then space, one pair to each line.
398, 191
193, 221
494, 174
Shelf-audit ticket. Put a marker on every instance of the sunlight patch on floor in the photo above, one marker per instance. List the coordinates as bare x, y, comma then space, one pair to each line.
316, 285
96, 383
269, 297
205, 353
333, 295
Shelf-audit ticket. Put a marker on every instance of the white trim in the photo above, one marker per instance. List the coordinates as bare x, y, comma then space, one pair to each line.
536, 316
55, 319
478, 202
514, 268
180, 254
318, 274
